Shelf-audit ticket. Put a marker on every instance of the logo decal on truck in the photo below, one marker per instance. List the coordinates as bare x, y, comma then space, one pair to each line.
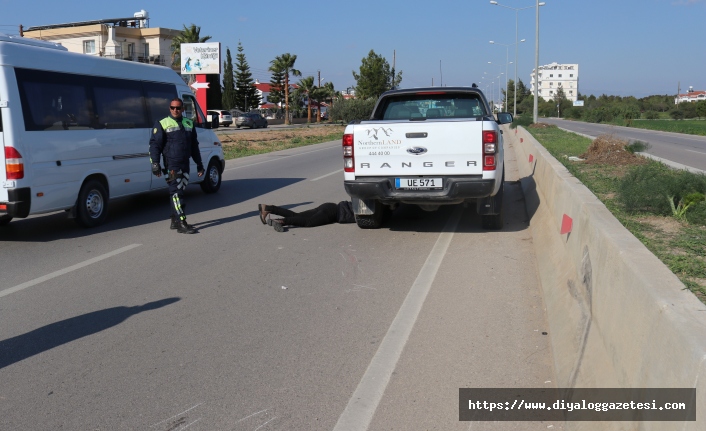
376, 130
416, 150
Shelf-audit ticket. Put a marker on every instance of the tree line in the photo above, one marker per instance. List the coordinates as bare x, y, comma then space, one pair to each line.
603, 108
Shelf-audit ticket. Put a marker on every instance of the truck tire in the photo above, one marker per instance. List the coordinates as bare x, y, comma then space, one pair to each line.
495, 221
372, 221
212, 182
92, 204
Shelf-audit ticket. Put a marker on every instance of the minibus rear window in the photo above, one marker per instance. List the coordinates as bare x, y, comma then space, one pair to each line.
53, 101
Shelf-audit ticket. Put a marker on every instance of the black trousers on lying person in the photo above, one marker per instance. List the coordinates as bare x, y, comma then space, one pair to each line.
323, 214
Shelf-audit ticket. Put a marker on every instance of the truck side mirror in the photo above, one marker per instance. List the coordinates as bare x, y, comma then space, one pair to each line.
504, 117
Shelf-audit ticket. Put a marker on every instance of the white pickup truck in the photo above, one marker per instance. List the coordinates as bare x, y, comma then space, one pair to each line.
428, 147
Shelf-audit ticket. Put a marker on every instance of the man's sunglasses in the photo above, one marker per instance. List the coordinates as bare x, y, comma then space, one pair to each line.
174, 108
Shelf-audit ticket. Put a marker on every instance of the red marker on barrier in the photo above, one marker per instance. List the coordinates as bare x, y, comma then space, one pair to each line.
567, 223
531, 158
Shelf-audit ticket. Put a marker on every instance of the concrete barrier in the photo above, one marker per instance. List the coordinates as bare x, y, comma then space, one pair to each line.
618, 317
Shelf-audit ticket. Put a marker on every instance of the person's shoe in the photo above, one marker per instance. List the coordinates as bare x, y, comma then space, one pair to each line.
184, 227
263, 213
276, 224
175, 223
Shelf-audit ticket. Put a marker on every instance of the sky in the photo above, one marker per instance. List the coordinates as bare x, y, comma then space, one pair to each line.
623, 47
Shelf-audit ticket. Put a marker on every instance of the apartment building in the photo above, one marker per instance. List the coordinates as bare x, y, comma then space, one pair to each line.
554, 76
122, 38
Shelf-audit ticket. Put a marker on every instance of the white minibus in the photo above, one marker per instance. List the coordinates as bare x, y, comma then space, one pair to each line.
75, 129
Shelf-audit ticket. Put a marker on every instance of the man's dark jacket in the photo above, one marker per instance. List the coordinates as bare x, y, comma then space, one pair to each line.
175, 139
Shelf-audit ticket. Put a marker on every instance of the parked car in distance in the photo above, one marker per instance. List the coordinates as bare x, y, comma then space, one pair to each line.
252, 120
224, 117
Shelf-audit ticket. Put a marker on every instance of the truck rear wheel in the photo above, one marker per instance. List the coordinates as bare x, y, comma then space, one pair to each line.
495, 221
374, 220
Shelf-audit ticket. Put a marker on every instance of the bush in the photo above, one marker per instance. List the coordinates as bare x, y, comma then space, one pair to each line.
697, 214
637, 147
651, 115
676, 114
657, 189
598, 115
521, 120
352, 110
574, 113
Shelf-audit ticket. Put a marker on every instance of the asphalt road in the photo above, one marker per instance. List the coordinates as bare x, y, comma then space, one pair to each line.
131, 326
687, 150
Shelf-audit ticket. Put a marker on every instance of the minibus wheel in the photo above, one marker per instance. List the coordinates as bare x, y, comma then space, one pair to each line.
92, 204
212, 181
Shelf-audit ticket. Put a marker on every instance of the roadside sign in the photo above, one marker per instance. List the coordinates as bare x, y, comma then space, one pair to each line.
200, 58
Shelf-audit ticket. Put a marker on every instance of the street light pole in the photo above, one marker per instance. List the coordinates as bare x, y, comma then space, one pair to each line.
493, 2
536, 66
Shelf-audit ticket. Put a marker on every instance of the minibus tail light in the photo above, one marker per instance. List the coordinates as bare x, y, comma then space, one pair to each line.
14, 165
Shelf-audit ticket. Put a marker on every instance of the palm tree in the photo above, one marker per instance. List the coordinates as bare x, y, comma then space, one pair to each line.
285, 64
329, 92
191, 34
307, 87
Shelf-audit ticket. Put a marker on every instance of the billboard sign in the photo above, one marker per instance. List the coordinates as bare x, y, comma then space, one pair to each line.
578, 102
201, 58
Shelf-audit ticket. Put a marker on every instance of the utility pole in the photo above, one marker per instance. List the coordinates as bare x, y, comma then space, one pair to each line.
678, 90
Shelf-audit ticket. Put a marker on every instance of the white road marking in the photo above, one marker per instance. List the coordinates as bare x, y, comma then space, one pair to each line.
694, 151
364, 401
65, 270
328, 175
187, 426
178, 414
278, 158
265, 423
249, 416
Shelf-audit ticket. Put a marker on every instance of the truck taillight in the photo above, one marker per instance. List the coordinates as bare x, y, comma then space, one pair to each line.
348, 156
490, 137
490, 145
14, 165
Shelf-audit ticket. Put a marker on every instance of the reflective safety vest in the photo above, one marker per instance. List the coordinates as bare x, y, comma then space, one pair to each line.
176, 143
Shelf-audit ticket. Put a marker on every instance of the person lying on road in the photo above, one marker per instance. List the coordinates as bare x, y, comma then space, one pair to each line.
327, 213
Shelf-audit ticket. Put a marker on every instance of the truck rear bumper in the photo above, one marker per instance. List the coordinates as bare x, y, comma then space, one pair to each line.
455, 190
18, 204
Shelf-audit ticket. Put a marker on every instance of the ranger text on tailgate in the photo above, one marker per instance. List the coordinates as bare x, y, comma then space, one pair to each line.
428, 147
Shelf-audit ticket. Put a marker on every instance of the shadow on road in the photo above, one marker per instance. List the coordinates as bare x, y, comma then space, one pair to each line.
143, 209
412, 218
40, 340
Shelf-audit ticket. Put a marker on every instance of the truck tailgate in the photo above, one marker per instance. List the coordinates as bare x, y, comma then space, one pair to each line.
446, 147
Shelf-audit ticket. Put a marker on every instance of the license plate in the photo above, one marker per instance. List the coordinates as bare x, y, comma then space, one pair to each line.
418, 183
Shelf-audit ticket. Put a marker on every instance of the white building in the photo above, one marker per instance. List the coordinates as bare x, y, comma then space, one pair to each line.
123, 38
554, 76
690, 96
